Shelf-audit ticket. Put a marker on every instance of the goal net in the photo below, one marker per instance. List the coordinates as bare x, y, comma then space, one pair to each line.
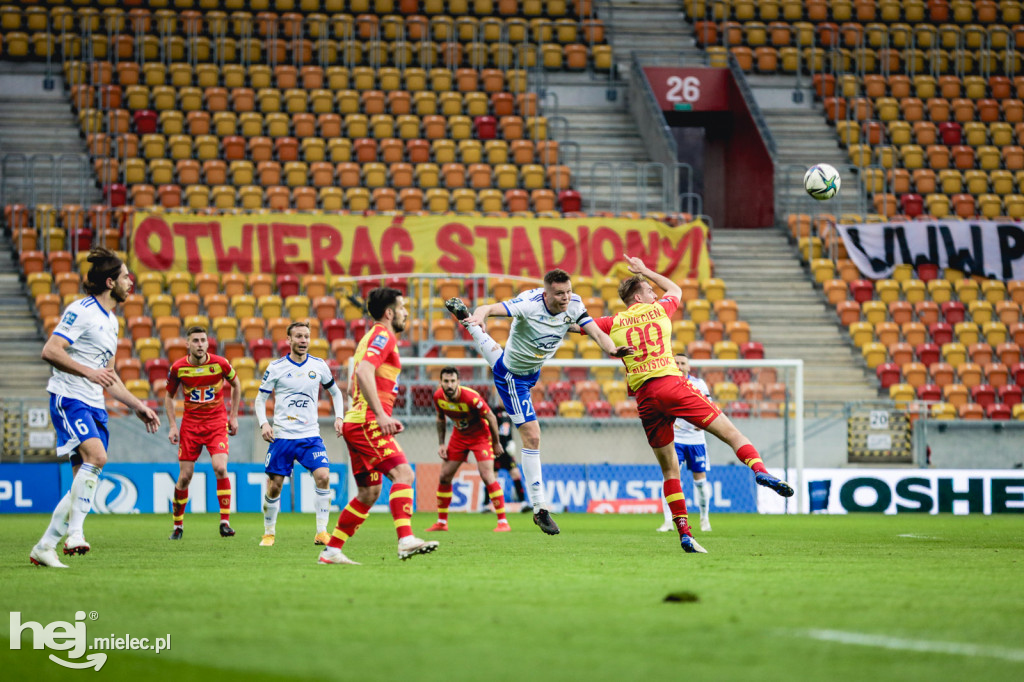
588, 422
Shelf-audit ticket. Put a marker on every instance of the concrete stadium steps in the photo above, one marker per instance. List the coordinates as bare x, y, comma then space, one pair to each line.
788, 315
606, 133
21, 341
645, 25
30, 125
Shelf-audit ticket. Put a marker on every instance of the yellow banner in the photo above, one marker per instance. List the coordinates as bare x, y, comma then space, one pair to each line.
360, 246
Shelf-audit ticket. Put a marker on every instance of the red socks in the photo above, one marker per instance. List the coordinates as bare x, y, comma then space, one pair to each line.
400, 502
351, 517
748, 455
676, 500
178, 506
224, 498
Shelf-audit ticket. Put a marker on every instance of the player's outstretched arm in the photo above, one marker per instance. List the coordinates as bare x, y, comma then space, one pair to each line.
637, 267
605, 342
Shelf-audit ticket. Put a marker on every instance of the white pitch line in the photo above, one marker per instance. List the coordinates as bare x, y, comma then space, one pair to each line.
917, 537
886, 642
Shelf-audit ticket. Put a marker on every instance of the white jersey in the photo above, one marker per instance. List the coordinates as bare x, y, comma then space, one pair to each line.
297, 392
536, 332
687, 433
92, 332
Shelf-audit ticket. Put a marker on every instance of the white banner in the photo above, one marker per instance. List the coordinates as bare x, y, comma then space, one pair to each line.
905, 491
991, 249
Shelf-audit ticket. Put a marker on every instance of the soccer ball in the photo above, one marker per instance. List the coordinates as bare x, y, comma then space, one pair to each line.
822, 181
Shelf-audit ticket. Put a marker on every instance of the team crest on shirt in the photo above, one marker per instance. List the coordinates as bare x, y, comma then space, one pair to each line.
312, 374
69, 318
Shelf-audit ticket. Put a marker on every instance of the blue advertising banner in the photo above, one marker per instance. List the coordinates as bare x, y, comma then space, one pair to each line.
149, 488
27, 488
574, 486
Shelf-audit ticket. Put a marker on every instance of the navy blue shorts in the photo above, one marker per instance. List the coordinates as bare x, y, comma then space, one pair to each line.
514, 390
695, 457
284, 452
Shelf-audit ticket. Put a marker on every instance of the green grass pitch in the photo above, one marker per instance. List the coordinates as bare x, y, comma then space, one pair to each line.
858, 597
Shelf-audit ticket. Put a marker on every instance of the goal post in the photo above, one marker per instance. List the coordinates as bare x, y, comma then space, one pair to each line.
585, 414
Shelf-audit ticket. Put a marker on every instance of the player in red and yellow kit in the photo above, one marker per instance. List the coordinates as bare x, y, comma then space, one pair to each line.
201, 376
369, 431
476, 431
664, 394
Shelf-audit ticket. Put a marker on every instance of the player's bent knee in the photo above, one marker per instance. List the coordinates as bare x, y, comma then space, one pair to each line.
402, 474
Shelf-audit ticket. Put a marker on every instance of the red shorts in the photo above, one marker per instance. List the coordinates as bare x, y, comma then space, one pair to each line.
462, 443
194, 434
663, 399
372, 453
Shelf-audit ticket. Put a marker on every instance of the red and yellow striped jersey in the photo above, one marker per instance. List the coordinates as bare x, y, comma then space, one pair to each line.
380, 348
202, 385
467, 411
646, 327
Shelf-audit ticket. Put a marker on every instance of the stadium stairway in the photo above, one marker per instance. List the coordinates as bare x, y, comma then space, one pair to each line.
638, 25
25, 374
595, 106
803, 138
37, 121
788, 315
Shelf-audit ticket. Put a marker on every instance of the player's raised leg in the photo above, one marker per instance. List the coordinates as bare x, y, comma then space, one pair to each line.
725, 430
489, 348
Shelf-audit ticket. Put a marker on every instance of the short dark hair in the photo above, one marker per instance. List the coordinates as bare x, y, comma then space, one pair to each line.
628, 288
299, 323
195, 329
556, 276
380, 299
104, 264
450, 369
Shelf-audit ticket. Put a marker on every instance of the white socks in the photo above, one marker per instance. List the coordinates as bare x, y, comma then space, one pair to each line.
702, 491
489, 348
323, 508
270, 509
83, 488
530, 462
58, 527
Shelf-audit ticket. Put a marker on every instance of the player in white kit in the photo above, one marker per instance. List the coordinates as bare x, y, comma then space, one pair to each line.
81, 349
295, 436
540, 319
692, 451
